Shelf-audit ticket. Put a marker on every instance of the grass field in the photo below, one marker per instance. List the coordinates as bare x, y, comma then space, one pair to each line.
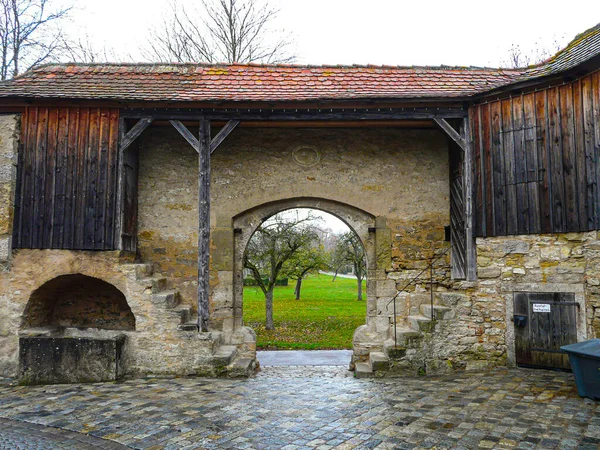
324, 318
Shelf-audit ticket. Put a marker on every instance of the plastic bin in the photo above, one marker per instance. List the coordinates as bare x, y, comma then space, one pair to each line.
585, 362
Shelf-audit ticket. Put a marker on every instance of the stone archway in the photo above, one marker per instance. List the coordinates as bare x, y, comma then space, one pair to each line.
359, 221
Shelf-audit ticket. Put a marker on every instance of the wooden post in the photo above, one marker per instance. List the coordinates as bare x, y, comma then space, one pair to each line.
470, 250
203, 222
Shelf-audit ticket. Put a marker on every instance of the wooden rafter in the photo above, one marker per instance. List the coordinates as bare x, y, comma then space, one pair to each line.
222, 135
214, 144
133, 134
343, 114
451, 132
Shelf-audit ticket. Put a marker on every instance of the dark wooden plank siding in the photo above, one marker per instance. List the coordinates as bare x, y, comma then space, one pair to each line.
537, 160
67, 179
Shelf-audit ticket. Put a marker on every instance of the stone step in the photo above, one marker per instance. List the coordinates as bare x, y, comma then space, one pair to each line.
157, 283
421, 323
224, 355
144, 271
184, 312
439, 312
393, 352
191, 325
406, 337
379, 361
363, 370
241, 367
166, 299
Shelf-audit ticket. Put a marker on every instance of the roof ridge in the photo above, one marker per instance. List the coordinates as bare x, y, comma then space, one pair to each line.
44, 67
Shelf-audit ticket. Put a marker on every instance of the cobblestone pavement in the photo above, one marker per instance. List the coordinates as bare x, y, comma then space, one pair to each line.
29, 436
319, 407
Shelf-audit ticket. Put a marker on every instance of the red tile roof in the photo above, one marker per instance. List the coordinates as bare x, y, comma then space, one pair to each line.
271, 83
264, 83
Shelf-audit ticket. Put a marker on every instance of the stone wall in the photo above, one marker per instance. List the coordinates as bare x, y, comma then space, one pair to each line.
478, 333
397, 175
391, 184
155, 346
9, 135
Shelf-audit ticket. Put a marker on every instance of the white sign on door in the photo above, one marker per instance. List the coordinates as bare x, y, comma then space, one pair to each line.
541, 307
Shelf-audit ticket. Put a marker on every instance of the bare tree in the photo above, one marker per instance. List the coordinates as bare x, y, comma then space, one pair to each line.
350, 250
29, 34
272, 245
231, 31
307, 260
83, 50
518, 58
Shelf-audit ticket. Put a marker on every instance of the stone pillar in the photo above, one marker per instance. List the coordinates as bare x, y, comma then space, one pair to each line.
9, 143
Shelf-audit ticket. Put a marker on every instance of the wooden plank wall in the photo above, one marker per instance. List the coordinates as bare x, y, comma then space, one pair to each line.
67, 179
537, 160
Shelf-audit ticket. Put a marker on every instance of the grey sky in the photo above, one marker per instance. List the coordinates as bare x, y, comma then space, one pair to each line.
376, 31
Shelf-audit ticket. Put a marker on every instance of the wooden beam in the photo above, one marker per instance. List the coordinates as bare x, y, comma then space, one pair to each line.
120, 186
133, 134
470, 250
204, 144
186, 133
219, 138
222, 135
451, 132
349, 114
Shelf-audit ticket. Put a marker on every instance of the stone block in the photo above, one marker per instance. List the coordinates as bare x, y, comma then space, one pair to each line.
515, 246
385, 288
52, 360
5, 247
489, 272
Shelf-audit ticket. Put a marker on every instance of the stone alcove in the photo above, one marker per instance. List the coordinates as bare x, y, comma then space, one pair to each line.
72, 331
78, 301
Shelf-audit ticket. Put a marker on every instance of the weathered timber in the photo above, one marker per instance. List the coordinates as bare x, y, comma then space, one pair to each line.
186, 133
457, 212
316, 115
470, 248
508, 145
223, 133
65, 186
556, 162
137, 129
498, 171
478, 185
541, 115
203, 222
521, 168
487, 157
451, 132
543, 164
569, 153
531, 162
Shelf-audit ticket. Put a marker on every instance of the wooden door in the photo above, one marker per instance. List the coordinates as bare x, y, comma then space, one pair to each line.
550, 322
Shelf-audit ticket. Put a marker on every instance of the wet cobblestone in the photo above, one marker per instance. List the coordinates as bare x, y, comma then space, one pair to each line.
318, 408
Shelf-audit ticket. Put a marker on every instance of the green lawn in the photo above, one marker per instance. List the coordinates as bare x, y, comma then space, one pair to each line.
324, 318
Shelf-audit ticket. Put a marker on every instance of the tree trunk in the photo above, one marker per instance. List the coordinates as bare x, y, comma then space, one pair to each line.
359, 288
335, 275
298, 287
269, 309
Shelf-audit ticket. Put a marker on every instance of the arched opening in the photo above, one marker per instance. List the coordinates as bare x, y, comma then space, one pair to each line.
304, 282
78, 301
361, 222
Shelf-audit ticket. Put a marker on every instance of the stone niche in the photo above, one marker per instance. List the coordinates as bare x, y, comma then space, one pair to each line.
72, 332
